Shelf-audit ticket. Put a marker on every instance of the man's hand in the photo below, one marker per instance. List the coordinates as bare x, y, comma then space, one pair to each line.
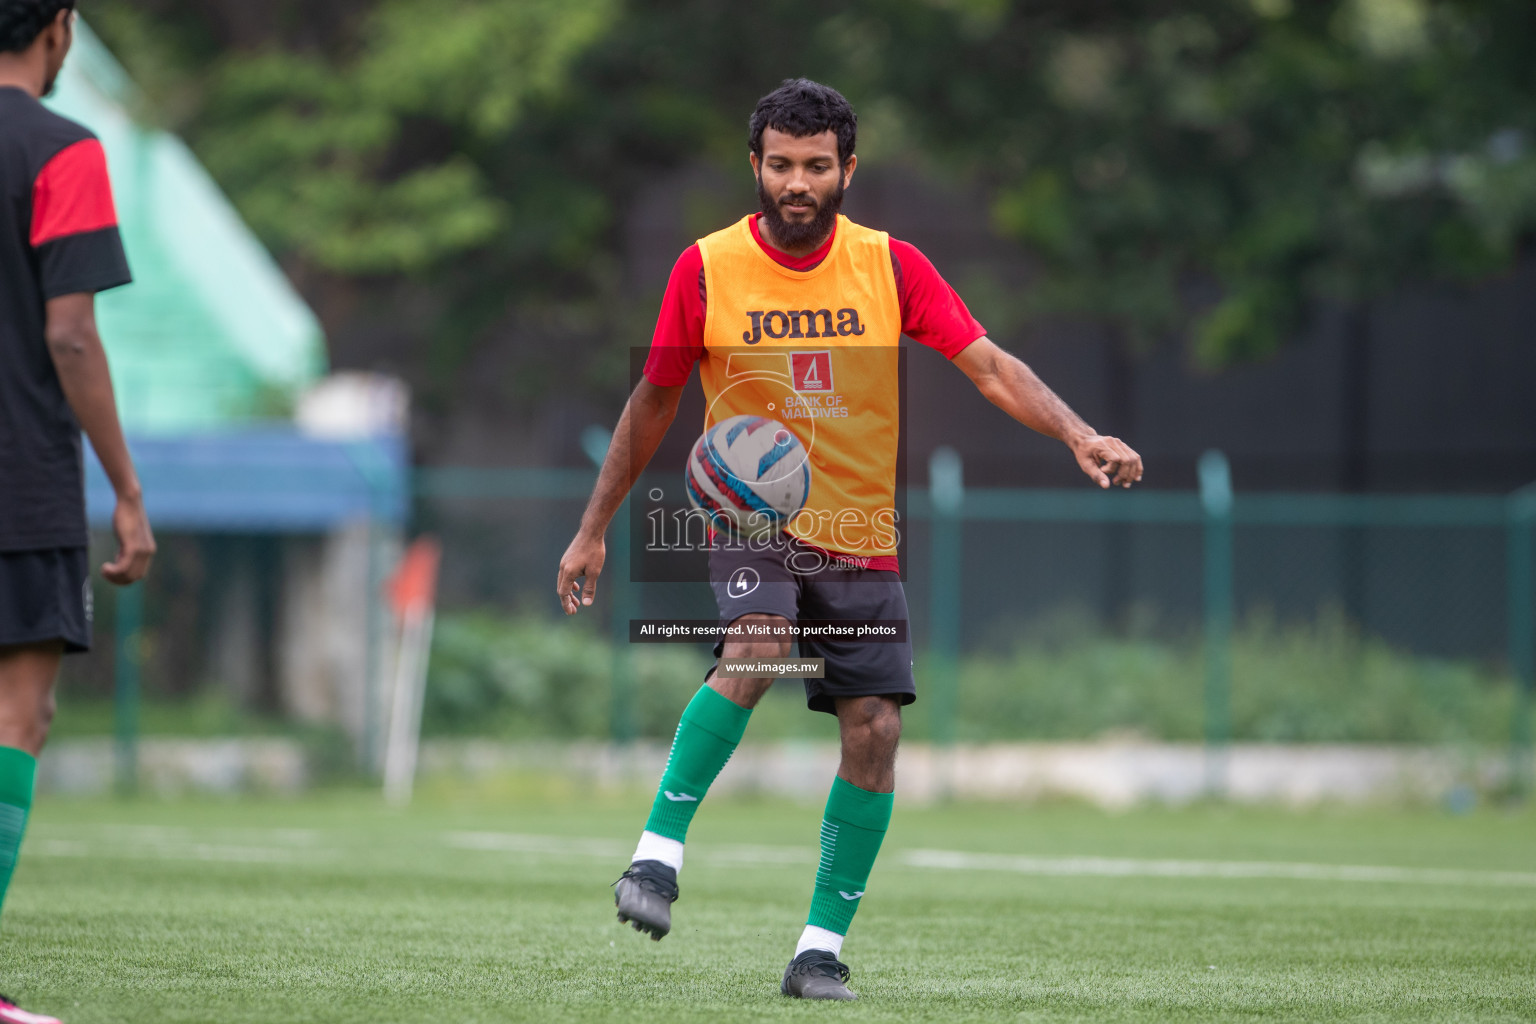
1014, 388
645, 419
583, 558
135, 543
1107, 460
81, 364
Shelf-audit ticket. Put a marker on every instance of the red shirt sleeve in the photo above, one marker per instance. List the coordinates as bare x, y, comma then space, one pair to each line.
678, 342
932, 313
72, 194
74, 224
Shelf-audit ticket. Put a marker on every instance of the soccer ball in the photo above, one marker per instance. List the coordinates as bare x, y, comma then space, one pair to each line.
750, 474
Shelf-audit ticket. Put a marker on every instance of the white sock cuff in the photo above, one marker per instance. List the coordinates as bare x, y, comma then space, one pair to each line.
819, 938
655, 847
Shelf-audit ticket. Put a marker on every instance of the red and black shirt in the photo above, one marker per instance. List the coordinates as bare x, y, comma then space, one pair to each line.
58, 236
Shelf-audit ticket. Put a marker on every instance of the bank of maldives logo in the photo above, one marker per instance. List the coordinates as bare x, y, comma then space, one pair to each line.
812, 371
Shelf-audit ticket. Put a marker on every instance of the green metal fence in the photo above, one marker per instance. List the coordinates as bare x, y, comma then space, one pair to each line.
1438, 575
1460, 564
1218, 511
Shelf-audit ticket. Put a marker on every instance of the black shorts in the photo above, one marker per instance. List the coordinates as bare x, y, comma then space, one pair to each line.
793, 580
46, 595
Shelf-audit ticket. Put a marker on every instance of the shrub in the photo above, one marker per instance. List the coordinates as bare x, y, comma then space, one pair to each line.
494, 675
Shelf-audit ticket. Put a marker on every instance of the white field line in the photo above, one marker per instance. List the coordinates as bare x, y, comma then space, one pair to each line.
555, 846
156, 842
298, 846
1118, 867
181, 851
288, 837
608, 849
955, 860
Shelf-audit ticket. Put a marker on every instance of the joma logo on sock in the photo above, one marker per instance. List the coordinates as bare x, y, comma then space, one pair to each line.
678, 797
850, 895
800, 323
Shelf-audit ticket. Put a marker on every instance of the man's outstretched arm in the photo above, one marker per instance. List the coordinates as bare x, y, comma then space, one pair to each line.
647, 415
81, 364
1014, 388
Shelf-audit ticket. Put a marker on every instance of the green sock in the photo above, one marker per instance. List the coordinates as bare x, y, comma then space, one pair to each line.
706, 737
851, 833
18, 774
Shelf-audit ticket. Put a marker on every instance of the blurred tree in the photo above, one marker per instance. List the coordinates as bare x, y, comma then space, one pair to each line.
1287, 152
1203, 169
363, 160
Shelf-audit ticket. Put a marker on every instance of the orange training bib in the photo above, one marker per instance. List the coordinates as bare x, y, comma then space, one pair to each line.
816, 350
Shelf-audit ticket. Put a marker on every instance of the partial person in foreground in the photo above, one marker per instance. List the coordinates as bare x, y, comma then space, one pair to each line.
800, 270
59, 245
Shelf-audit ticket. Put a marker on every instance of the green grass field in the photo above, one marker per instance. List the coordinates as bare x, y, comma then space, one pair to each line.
497, 908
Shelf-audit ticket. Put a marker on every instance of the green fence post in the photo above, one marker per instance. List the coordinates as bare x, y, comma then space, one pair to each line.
1522, 631
1216, 500
621, 599
946, 491
126, 689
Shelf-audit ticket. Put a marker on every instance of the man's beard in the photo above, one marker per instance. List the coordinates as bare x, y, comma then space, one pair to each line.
788, 234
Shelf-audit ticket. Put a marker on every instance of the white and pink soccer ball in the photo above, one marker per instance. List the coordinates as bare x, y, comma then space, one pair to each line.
750, 474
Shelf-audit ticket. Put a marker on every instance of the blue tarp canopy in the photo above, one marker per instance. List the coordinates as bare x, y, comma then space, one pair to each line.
272, 481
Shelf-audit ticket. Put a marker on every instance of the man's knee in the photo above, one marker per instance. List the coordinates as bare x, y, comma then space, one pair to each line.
27, 701
46, 709
746, 691
25, 721
873, 722
771, 645
885, 725
871, 728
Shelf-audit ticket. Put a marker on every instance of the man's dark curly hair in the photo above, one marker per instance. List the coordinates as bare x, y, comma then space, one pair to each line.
22, 21
801, 107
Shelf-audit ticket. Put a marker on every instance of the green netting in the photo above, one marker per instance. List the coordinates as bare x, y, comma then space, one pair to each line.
211, 334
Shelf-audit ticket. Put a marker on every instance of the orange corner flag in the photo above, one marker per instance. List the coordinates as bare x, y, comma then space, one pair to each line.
413, 587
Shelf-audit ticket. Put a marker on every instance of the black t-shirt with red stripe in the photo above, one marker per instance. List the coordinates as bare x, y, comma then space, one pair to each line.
58, 236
